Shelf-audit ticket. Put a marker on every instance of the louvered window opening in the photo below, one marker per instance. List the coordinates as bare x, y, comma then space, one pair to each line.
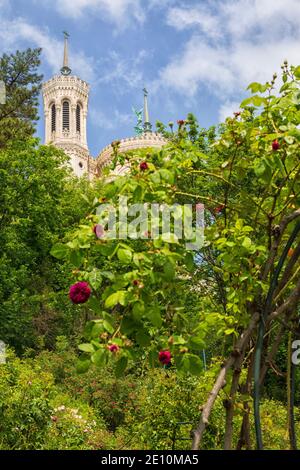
66, 116
53, 118
78, 116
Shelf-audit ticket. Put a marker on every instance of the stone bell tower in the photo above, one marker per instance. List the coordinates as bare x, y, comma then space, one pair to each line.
65, 99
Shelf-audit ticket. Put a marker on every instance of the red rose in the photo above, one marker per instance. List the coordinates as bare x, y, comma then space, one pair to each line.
275, 145
144, 166
80, 292
237, 113
164, 357
180, 122
113, 348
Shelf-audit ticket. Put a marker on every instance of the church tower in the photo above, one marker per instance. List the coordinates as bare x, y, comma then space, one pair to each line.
65, 99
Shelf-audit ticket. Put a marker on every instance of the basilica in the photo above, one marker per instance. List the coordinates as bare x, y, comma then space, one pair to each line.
65, 99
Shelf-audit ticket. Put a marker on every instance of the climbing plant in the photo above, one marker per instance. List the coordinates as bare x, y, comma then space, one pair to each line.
245, 279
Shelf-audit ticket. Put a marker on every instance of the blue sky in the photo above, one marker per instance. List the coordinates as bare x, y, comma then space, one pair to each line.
193, 55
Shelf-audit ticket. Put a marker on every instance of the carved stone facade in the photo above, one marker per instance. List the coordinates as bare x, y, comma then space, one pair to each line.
66, 107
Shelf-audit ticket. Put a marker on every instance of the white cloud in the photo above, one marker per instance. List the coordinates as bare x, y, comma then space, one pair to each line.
232, 43
14, 33
261, 18
227, 109
182, 18
123, 74
118, 11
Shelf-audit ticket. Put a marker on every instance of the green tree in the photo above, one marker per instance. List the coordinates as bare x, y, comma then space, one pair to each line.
19, 114
40, 201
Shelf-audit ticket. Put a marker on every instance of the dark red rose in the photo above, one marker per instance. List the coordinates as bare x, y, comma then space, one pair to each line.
164, 357
80, 292
180, 122
113, 348
136, 282
275, 145
144, 166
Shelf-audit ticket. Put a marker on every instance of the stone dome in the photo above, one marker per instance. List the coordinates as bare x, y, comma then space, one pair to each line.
145, 140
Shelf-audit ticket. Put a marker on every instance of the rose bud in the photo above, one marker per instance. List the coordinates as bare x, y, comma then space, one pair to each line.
113, 348
275, 145
144, 166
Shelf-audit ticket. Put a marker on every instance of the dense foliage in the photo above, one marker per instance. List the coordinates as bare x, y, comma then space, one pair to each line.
118, 341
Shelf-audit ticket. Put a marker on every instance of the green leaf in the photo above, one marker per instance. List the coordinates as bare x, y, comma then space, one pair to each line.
197, 342
195, 366
138, 310
167, 175
289, 139
297, 72
97, 329
125, 256
155, 177
153, 314
121, 366
59, 251
255, 100
116, 298
95, 279
99, 357
247, 243
108, 326
76, 258
86, 347
255, 87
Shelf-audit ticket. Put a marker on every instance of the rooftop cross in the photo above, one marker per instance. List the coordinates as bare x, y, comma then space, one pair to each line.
65, 70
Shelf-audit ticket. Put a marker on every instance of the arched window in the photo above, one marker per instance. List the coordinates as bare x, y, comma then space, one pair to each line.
78, 117
66, 116
53, 118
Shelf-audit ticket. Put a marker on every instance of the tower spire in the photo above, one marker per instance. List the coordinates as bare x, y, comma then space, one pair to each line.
65, 70
147, 124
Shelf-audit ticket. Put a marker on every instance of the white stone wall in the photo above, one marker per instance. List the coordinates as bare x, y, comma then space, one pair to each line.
148, 139
75, 91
